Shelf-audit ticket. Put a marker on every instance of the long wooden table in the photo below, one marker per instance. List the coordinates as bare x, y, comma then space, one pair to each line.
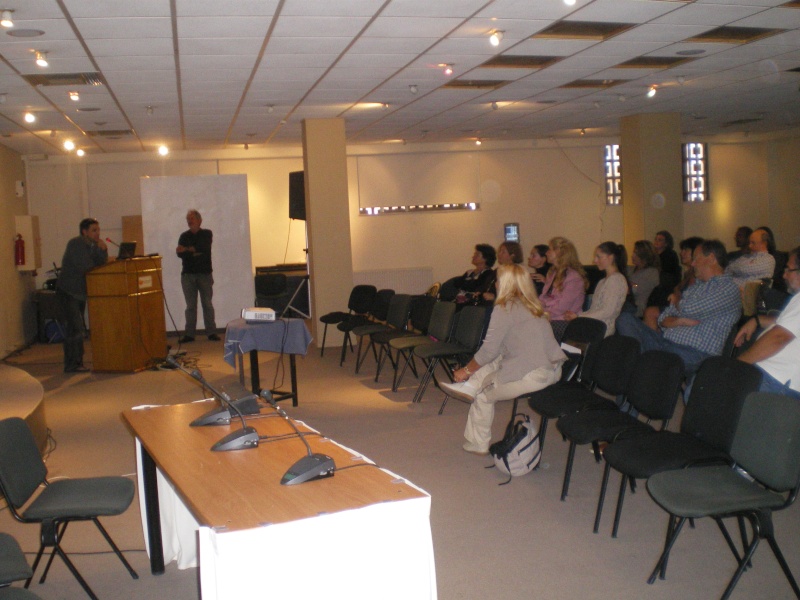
360, 516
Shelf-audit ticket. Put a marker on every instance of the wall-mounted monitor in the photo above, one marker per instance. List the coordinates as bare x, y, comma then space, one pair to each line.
511, 232
297, 195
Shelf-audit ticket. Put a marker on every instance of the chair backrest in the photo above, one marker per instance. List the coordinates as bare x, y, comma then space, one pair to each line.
22, 470
399, 310
767, 440
380, 306
584, 333
270, 284
469, 328
614, 363
655, 384
362, 297
441, 324
449, 289
421, 312
715, 404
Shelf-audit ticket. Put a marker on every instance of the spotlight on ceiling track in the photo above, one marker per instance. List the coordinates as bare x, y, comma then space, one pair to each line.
30, 117
69, 145
570, 2
496, 38
74, 96
163, 150
495, 106
80, 152
5, 19
41, 59
478, 142
448, 68
583, 131
651, 91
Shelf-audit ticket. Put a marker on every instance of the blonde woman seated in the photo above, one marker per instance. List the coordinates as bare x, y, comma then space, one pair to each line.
565, 285
519, 355
611, 292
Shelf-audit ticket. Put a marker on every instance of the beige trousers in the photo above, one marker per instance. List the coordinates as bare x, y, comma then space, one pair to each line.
481, 412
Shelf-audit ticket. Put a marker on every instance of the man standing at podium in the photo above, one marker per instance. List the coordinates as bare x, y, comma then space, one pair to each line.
194, 249
83, 253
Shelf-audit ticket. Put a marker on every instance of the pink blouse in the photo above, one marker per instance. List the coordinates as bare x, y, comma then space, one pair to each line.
569, 298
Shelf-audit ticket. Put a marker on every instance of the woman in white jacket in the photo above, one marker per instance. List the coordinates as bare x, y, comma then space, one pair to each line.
519, 355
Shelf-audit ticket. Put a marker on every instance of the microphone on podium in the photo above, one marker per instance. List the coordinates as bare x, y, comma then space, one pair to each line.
312, 466
241, 439
110, 241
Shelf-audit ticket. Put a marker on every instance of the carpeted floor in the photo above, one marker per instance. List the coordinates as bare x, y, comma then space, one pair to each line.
491, 542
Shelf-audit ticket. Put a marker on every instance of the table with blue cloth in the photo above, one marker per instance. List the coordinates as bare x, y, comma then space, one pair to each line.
284, 336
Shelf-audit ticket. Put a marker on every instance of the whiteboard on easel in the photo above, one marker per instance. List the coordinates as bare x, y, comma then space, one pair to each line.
222, 201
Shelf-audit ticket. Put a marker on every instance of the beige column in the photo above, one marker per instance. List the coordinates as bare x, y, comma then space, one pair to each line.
652, 184
327, 221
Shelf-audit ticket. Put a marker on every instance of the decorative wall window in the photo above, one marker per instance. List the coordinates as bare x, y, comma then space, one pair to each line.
613, 175
695, 172
373, 211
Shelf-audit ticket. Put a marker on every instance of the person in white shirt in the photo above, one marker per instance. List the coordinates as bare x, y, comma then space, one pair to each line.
777, 351
758, 264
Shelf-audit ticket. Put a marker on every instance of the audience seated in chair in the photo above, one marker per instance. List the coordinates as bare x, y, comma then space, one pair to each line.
474, 283
610, 293
644, 275
565, 285
699, 324
777, 351
757, 264
662, 296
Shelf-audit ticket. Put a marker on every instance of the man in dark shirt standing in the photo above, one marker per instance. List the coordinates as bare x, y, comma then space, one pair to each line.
82, 254
194, 249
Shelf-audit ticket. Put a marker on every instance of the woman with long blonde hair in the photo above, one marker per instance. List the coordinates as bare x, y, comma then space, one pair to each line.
519, 355
565, 285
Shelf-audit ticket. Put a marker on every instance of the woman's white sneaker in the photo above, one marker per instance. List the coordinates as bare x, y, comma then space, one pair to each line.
464, 390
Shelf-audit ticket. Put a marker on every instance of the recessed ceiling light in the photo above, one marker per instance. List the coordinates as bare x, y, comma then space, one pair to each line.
41, 59
163, 150
80, 152
496, 38
74, 96
5, 19
30, 117
69, 145
651, 91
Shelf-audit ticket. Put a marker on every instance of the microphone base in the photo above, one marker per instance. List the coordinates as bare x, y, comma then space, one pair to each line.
241, 439
222, 416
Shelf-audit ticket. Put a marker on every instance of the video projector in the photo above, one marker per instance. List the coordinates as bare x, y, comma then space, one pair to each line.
258, 315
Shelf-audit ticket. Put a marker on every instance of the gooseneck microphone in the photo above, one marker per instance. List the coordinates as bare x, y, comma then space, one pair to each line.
110, 241
241, 439
312, 466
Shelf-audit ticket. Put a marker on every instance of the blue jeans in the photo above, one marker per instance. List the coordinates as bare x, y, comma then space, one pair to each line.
772, 385
628, 324
194, 284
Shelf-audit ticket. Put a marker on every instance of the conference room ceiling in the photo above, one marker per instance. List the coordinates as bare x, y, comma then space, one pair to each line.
214, 74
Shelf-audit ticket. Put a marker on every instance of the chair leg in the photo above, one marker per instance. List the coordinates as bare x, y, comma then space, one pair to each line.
444, 403
728, 539
620, 499
60, 529
542, 434
115, 549
359, 359
568, 471
673, 530
748, 555
75, 573
773, 544
345, 341
324, 335
602, 497
423, 383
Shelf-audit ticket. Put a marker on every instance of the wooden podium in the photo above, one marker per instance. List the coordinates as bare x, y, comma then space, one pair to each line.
126, 314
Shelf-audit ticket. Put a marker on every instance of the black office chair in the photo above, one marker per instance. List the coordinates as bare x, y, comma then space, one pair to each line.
766, 446
439, 330
16, 593
706, 432
378, 311
22, 472
608, 365
652, 392
396, 320
361, 299
419, 320
13, 566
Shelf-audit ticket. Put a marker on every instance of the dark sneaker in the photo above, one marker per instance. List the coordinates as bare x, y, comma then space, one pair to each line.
186, 339
214, 337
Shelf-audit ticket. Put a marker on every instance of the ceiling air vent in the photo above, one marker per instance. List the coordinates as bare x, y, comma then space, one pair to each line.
597, 84
521, 62
70, 79
654, 62
475, 84
734, 35
582, 30
109, 133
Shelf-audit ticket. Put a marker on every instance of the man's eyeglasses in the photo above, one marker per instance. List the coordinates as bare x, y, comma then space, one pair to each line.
788, 270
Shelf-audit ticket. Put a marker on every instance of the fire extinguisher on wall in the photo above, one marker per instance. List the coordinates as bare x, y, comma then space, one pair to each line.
19, 250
